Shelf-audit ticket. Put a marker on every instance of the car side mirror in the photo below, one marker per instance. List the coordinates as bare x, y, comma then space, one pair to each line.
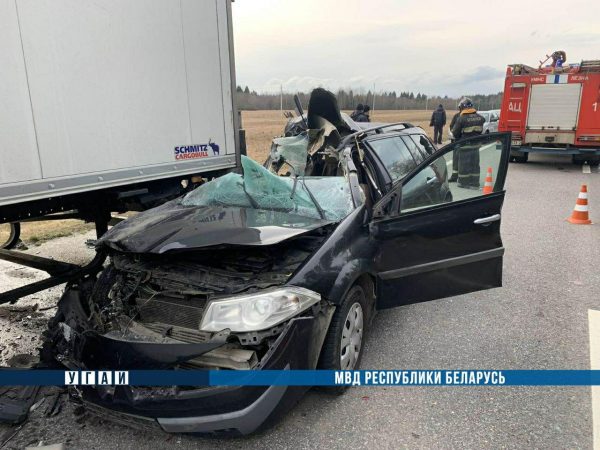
388, 206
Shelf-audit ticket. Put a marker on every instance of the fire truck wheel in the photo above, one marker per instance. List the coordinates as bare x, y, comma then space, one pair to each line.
594, 161
521, 158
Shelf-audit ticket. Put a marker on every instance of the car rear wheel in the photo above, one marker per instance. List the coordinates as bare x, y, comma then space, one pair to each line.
342, 349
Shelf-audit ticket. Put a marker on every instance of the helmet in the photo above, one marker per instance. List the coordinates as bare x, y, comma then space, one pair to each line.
465, 103
360, 107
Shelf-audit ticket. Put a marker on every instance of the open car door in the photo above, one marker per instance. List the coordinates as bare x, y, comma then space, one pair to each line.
439, 237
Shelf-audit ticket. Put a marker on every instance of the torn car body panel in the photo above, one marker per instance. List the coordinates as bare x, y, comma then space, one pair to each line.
199, 409
220, 226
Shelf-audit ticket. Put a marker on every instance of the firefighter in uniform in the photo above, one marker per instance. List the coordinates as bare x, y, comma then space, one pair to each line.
454, 177
468, 124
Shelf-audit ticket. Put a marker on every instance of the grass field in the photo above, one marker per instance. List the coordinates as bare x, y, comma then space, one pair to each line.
35, 233
261, 127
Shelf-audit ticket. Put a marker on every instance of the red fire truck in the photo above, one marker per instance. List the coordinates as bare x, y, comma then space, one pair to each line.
553, 110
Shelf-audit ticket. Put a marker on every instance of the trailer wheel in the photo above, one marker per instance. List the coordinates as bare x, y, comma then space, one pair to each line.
9, 234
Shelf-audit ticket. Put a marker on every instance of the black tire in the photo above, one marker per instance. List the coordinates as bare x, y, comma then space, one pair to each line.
594, 161
13, 237
578, 160
331, 352
521, 157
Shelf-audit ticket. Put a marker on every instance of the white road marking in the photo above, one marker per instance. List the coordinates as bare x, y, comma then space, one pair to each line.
594, 329
586, 168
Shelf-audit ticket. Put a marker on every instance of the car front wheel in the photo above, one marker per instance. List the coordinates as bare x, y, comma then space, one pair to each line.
342, 349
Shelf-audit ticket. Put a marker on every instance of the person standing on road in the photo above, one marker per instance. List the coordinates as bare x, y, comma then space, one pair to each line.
366, 114
438, 122
357, 112
361, 115
468, 124
454, 177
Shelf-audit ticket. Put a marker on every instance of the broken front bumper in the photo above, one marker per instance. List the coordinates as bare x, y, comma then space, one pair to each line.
188, 409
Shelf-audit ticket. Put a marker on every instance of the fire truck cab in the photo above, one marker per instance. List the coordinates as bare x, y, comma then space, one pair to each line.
553, 110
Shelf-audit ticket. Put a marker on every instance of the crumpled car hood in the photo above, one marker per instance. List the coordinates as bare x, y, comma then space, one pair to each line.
173, 227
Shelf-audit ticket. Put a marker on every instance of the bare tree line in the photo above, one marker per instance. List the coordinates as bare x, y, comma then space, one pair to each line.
251, 100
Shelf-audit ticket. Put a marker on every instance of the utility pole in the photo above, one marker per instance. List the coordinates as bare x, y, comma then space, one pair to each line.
426, 103
281, 97
373, 97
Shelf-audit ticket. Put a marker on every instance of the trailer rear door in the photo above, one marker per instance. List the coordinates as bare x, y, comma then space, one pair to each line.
554, 106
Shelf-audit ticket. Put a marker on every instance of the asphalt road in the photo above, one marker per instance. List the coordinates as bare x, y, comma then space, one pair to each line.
538, 320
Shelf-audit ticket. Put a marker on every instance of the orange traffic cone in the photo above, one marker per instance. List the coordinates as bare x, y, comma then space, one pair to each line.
488, 187
580, 214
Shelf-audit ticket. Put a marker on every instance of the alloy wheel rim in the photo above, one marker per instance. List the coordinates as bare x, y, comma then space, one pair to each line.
352, 333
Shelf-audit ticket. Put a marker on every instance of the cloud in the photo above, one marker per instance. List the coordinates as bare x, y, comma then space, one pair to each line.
403, 46
480, 74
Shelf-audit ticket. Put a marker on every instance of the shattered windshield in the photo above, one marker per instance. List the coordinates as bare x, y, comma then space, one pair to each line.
292, 150
260, 189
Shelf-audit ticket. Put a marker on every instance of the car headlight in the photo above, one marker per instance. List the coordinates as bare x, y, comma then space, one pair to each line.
258, 311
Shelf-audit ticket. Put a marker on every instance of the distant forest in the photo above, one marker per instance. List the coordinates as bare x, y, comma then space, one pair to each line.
251, 100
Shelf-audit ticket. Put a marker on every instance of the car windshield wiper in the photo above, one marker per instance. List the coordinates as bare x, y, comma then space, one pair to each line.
314, 200
312, 197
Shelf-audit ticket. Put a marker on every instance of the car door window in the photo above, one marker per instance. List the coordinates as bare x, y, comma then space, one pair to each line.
394, 155
423, 144
414, 150
468, 169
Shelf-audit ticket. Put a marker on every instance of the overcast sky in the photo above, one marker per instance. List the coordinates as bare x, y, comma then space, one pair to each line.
434, 47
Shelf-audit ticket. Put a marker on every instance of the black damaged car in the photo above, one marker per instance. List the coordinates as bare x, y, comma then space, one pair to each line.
281, 266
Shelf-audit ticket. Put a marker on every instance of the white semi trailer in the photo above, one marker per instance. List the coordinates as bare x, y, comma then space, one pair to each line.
112, 105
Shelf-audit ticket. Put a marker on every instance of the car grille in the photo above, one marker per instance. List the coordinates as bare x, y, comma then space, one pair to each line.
185, 313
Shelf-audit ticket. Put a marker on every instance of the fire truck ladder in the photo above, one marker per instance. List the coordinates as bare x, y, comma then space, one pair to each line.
592, 65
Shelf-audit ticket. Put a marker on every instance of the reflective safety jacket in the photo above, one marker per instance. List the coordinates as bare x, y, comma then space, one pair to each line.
468, 124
